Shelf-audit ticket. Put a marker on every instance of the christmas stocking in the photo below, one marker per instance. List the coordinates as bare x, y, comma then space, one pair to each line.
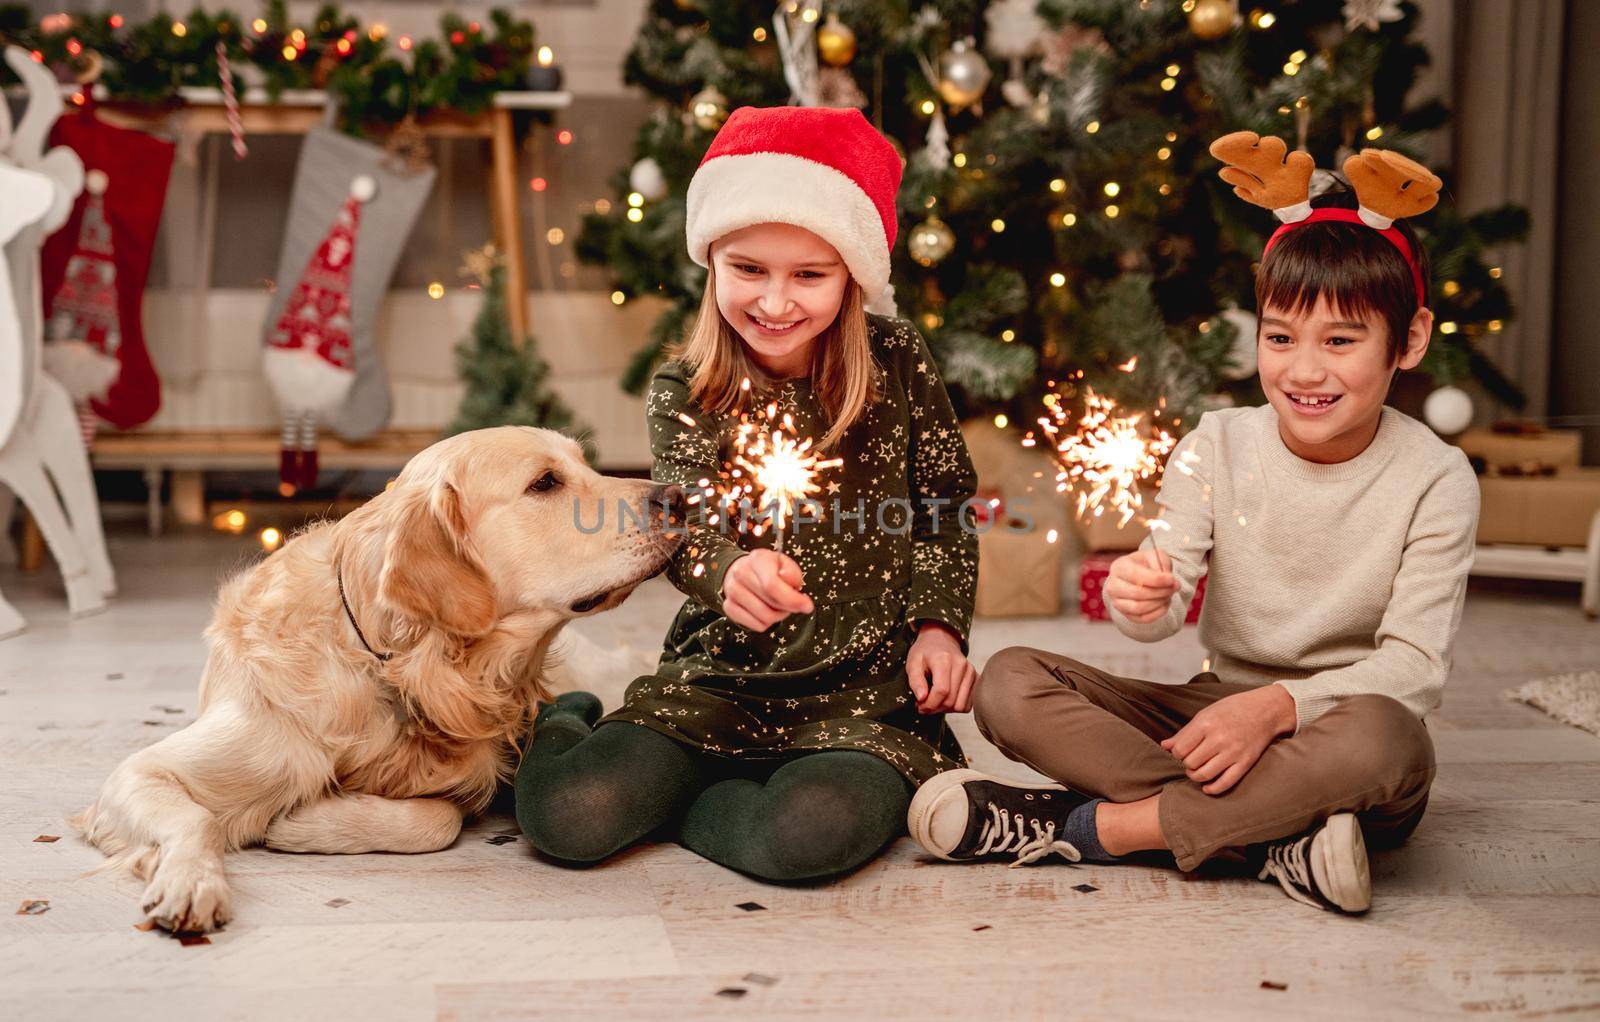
93, 271
329, 163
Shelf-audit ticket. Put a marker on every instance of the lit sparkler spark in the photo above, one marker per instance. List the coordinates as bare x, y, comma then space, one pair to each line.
1104, 456
770, 471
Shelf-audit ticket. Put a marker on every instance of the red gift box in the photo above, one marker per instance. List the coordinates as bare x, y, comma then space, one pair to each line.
1093, 571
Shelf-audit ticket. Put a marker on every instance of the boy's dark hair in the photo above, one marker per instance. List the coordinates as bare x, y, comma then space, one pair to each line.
1360, 271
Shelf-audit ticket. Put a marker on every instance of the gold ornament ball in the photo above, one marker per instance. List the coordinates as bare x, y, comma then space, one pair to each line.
709, 108
836, 41
963, 74
931, 241
1213, 19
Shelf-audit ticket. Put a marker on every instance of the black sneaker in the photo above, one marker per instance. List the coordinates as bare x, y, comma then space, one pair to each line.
1325, 867
962, 816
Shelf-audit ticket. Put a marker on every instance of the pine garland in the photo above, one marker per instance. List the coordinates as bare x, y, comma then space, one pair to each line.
361, 67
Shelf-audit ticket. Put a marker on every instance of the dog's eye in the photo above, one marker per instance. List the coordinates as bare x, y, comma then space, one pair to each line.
546, 482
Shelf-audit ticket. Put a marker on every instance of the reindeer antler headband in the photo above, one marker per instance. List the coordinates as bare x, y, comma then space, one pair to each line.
1388, 186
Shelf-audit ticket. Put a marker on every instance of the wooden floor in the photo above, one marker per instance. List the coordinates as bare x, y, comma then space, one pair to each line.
1493, 909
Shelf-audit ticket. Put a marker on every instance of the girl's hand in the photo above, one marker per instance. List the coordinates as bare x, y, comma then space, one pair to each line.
941, 677
1141, 585
1222, 742
762, 588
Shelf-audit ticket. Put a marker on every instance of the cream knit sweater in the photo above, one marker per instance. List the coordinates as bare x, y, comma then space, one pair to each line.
1331, 580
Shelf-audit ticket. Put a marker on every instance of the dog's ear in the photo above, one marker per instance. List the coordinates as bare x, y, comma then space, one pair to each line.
429, 570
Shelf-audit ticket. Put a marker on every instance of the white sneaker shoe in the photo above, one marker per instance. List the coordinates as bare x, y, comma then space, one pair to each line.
963, 815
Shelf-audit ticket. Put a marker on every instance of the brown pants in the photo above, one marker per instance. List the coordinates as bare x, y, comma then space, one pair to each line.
1100, 735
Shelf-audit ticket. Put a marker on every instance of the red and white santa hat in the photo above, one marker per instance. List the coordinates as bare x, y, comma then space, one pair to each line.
823, 169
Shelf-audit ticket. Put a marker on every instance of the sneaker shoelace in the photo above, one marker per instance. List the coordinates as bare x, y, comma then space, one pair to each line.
1008, 832
1290, 866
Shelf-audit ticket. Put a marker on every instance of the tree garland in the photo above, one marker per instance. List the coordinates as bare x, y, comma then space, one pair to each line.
375, 79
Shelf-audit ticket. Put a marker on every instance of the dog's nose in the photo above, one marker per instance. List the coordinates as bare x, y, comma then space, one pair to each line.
668, 505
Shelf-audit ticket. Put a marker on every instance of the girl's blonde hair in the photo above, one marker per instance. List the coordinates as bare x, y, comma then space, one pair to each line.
844, 375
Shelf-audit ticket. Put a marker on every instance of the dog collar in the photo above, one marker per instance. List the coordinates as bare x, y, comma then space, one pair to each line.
338, 575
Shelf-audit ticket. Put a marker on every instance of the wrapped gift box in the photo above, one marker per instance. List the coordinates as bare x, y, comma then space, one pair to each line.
1019, 574
1524, 453
1552, 511
1102, 533
1092, 573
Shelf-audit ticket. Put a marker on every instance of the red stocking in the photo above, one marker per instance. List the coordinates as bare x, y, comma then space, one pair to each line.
136, 166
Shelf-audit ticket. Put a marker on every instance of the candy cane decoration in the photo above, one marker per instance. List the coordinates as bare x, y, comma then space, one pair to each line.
230, 103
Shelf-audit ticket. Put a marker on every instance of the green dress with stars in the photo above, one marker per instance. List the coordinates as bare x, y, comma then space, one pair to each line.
888, 552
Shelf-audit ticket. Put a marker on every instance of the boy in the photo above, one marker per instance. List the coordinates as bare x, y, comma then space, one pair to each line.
1337, 533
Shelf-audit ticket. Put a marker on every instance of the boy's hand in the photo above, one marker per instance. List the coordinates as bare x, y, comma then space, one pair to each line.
1222, 742
762, 588
941, 677
1141, 585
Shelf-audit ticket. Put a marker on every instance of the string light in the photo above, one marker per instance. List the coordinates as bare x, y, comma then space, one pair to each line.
997, 225
1451, 289
405, 43
1173, 70
179, 29
436, 290
1374, 133
1172, 136
378, 32
808, 15
538, 184
1112, 188
1008, 335
1164, 153
1001, 420
635, 215
1058, 279
270, 538
289, 53
563, 137
760, 34
555, 236
1495, 326
1058, 185
635, 200
1448, 327
1168, 84
1262, 19
617, 298
546, 56
927, 107
1291, 69
1112, 211
1092, 127
1494, 271
260, 25
959, 159
1068, 219
602, 206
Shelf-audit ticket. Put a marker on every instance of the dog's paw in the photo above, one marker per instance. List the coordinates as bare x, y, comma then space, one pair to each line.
188, 895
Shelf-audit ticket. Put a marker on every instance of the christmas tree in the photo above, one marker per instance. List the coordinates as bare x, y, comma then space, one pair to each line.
507, 381
1061, 217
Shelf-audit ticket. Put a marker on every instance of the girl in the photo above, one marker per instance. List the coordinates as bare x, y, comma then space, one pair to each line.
800, 695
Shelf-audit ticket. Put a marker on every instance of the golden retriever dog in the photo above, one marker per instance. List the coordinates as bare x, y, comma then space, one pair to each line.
367, 684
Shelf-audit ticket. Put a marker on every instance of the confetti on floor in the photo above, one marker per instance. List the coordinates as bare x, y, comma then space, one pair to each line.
193, 939
1085, 888
980, 929
337, 902
751, 906
499, 839
113, 677
34, 907
732, 993
47, 839
1268, 984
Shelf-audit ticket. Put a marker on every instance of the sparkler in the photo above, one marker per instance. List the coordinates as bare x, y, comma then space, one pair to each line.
769, 466
1104, 455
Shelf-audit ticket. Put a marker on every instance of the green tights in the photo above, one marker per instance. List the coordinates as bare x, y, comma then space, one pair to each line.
584, 794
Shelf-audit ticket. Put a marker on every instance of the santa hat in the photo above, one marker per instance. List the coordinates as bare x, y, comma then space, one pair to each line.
826, 170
